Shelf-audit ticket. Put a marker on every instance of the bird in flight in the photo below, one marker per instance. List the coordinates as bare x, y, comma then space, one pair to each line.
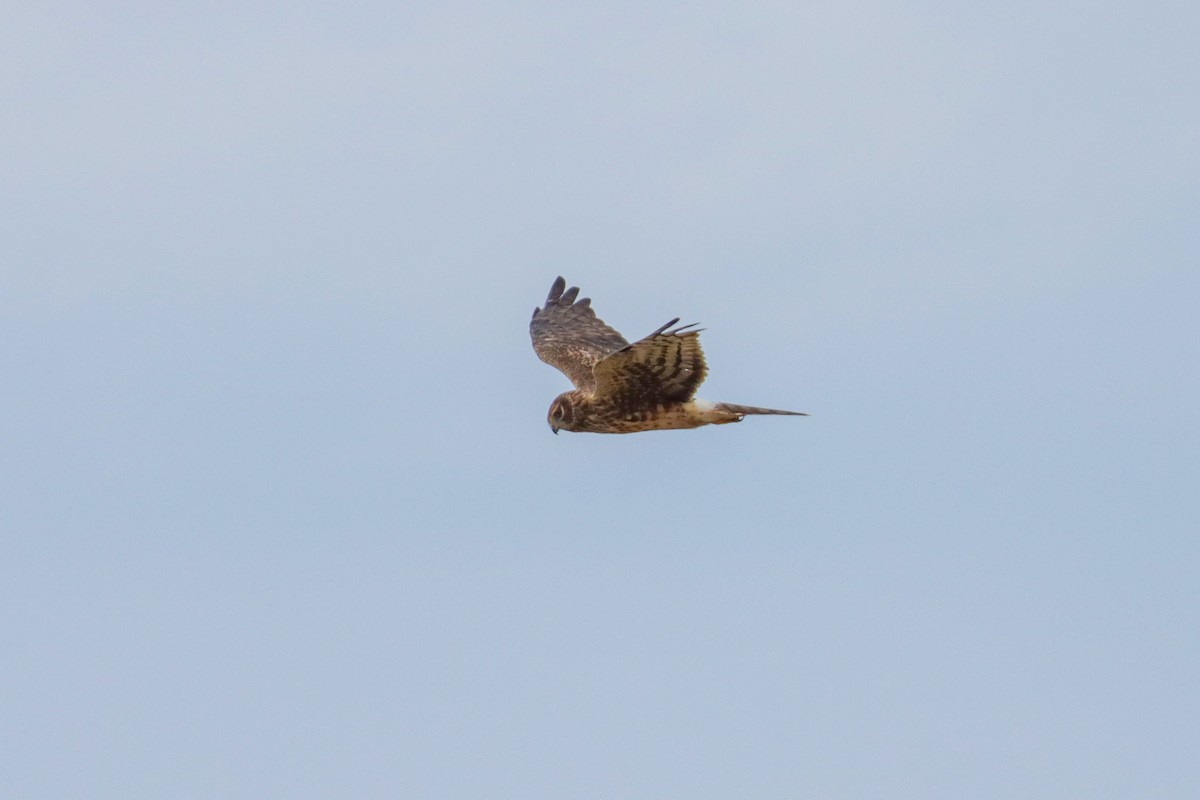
620, 387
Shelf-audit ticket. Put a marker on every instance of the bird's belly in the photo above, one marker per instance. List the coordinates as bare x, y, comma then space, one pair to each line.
659, 418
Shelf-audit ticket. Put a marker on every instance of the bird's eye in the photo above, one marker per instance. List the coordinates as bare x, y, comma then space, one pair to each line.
558, 412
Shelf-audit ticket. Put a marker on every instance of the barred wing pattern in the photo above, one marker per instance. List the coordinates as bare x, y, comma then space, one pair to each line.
665, 367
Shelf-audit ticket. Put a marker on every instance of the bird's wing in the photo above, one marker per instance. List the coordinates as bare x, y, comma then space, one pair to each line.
666, 366
569, 336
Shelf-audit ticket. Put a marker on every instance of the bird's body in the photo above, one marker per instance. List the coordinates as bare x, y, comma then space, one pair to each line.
622, 387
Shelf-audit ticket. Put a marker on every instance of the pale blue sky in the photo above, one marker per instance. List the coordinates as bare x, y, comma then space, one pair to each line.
281, 517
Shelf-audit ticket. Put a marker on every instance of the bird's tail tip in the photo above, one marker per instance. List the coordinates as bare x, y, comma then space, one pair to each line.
746, 410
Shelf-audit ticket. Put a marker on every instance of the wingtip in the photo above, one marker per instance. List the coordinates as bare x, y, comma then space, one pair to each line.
556, 289
664, 327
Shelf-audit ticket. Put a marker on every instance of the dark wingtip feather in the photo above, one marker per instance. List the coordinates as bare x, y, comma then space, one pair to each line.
569, 296
664, 327
685, 329
556, 289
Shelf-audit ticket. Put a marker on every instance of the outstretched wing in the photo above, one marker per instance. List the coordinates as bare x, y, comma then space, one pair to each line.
667, 366
569, 336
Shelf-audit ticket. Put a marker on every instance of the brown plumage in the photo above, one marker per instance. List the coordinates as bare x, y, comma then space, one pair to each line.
622, 387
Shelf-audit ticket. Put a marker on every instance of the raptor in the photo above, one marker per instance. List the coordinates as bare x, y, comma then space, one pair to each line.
621, 387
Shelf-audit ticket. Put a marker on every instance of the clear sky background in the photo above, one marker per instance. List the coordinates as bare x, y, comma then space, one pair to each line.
281, 514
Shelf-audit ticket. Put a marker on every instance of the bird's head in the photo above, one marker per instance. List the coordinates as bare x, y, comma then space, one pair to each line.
562, 413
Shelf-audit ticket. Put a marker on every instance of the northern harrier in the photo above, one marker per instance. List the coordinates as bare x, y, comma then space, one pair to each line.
621, 387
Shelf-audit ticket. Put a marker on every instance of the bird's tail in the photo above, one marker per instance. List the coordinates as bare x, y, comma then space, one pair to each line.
742, 411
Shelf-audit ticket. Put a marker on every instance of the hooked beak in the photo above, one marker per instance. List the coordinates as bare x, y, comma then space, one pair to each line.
554, 429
